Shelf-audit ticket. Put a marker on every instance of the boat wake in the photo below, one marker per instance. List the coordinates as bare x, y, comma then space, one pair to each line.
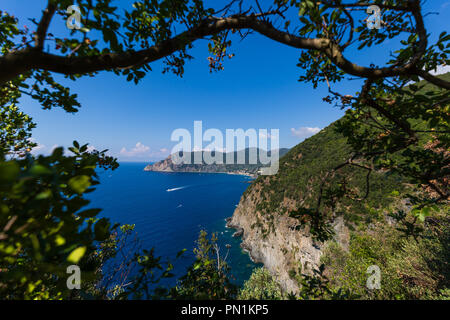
175, 189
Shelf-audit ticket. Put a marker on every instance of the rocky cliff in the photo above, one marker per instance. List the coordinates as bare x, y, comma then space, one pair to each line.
284, 248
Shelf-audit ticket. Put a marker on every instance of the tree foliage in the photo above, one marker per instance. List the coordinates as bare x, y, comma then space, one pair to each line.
260, 286
44, 226
208, 278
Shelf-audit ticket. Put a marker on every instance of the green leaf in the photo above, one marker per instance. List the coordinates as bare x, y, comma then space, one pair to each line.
101, 229
76, 255
39, 170
90, 213
79, 184
59, 240
180, 253
197, 265
44, 195
8, 171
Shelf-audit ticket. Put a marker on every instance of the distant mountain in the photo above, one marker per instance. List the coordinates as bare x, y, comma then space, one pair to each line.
167, 165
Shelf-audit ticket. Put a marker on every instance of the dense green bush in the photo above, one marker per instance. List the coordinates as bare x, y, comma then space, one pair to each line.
260, 286
411, 268
46, 227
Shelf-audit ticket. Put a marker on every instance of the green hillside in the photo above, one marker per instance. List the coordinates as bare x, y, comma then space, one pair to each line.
303, 168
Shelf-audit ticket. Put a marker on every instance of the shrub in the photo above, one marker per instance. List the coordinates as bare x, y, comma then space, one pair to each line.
260, 286
410, 268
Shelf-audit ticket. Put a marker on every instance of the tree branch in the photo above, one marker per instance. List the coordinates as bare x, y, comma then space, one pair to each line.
43, 25
400, 123
14, 63
432, 79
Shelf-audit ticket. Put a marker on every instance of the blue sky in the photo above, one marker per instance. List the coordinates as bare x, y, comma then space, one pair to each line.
257, 89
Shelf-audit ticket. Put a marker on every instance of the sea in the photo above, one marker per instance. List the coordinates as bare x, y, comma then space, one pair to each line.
170, 209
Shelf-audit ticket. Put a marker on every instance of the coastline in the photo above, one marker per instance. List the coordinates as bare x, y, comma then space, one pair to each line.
254, 176
239, 234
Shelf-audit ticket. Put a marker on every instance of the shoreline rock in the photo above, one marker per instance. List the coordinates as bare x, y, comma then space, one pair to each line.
239, 233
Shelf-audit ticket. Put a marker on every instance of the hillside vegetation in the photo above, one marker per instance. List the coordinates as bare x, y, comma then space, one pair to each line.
295, 189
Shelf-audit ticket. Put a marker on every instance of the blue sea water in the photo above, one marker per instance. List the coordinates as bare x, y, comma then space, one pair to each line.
170, 209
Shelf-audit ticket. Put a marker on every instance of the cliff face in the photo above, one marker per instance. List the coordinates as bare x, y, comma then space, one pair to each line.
281, 242
165, 165
284, 248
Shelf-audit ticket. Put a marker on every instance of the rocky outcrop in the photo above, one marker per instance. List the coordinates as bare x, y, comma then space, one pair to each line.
283, 248
165, 165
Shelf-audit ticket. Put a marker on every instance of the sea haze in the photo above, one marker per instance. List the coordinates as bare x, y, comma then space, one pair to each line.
169, 210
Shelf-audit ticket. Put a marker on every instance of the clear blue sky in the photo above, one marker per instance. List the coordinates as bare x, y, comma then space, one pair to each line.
257, 89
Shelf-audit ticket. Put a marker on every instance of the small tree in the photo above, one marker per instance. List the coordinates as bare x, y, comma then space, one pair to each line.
208, 277
260, 286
